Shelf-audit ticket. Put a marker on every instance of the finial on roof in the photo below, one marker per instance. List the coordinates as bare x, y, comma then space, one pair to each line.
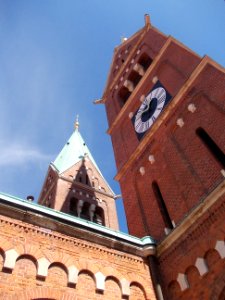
98, 101
123, 39
147, 19
76, 125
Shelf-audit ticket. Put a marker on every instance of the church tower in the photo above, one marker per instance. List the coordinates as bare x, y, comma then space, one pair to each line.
166, 115
75, 185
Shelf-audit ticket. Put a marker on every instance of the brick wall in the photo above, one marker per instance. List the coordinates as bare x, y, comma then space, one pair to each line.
59, 189
193, 266
125, 58
39, 263
184, 168
174, 68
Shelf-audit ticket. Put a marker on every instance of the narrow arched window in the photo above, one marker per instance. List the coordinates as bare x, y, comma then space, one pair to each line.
87, 179
99, 216
85, 214
73, 206
145, 61
162, 206
124, 94
134, 77
211, 146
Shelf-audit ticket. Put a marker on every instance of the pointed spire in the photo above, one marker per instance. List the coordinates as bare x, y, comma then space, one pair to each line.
76, 125
74, 151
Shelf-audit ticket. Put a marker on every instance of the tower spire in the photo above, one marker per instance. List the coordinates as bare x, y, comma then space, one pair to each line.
76, 125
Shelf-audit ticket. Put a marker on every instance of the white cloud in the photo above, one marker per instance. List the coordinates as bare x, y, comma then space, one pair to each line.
18, 154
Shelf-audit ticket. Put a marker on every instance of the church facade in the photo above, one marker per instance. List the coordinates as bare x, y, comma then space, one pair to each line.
68, 245
166, 113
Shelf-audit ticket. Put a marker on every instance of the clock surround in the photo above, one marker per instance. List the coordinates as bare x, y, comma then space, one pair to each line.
150, 109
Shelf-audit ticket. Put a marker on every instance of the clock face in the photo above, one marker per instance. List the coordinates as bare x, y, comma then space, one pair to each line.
150, 109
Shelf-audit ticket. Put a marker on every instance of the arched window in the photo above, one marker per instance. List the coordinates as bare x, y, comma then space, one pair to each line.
162, 205
73, 206
211, 146
85, 211
87, 180
124, 94
134, 77
99, 216
145, 61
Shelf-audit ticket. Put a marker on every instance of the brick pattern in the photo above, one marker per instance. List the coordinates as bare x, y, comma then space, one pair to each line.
181, 159
137, 292
37, 248
146, 46
200, 241
172, 71
185, 169
58, 190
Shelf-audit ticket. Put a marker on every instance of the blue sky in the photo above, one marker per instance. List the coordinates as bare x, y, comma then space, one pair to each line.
54, 59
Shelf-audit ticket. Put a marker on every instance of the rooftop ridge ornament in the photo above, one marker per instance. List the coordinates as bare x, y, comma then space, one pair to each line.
77, 124
123, 39
147, 19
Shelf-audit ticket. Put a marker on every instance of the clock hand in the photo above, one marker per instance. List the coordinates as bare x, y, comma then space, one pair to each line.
147, 108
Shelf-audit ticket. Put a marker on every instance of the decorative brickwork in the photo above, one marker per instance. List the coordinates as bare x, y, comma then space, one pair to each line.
171, 159
47, 264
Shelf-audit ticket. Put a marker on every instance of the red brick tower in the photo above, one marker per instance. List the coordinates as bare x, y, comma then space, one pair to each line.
166, 114
75, 185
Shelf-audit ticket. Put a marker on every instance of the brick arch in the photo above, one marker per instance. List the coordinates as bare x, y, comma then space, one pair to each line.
87, 271
28, 256
19, 249
84, 264
212, 256
7, 245
33, 250
86, 284
25, 269
109, 271
132, 277
193, 275
218, 289
57, 274
42, 293
113, 288
137, 291
174, 290
60, 265
60, 257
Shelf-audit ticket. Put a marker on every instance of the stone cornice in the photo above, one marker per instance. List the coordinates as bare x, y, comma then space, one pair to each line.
50, 220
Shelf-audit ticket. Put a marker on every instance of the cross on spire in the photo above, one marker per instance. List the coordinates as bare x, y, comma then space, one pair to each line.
76, 125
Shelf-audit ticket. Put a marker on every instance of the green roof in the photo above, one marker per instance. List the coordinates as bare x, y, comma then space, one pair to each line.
40, 210
74, 151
